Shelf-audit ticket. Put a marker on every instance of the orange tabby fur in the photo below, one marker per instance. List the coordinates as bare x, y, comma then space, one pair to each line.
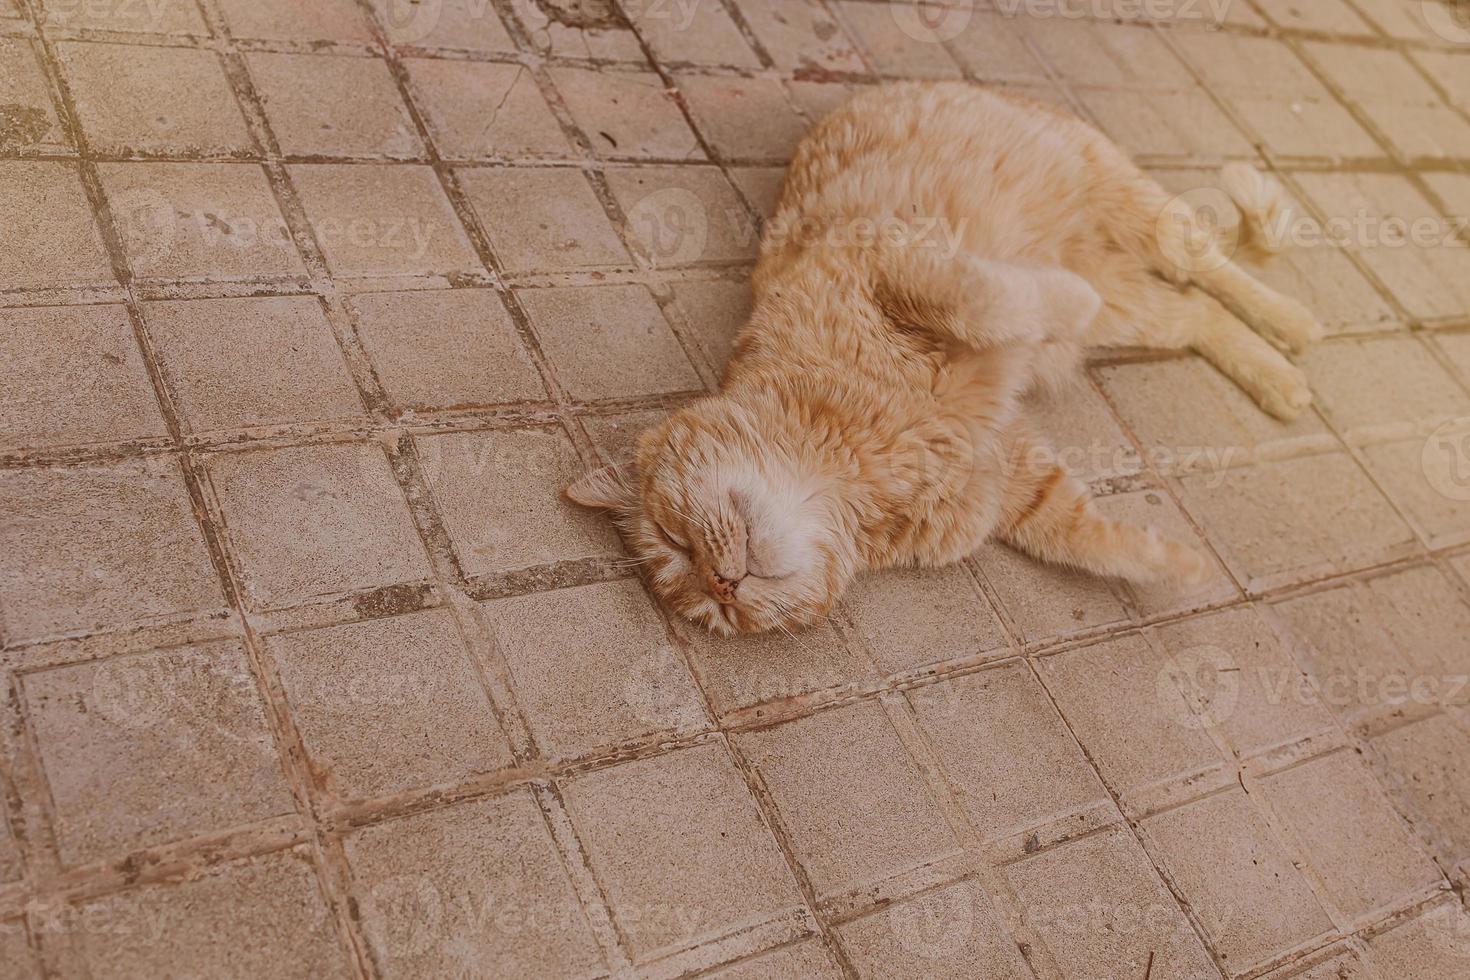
938, 252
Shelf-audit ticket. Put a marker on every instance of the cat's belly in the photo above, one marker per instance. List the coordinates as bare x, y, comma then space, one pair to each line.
948, 166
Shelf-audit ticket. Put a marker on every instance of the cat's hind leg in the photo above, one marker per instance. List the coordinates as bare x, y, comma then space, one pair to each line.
1149, 312
1171, 237
1049, 514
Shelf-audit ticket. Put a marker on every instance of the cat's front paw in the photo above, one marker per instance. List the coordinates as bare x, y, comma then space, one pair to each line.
1293, 326
1285, 393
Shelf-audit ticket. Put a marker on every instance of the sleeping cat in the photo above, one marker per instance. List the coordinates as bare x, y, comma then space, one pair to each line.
873, 413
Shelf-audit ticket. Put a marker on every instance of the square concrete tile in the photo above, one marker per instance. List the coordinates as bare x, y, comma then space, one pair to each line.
1400, 102
478, 110
30, 120
15, 950
99, 546
903, 940
1338, 963
557, 223
1276, 94
285, 20
682, 215
909, 618
1426, 768
148, 749
1398, 235
1101, 909
1451, 69
73, 375
1154, 508
445, 349
390, 704
500, 494
1425, 479
1432, 945
700, 33
1325, 279
616, 436
12, 867
1330, 16
680, 848
1221, 428
1046, 601
991, 47
1184, 124
475, 886
626, 115
715, 311
800, 34
602, 34
190, 106
1091, 52
1120, 699
464, 25
262, 916
743, 118
745, 671
593, 667
805, 960
1372, 389
817, 95
157, 17
214, 221
760, 186
1393, 640
233, 363
887, 35
1011, 758
333, 105
50, 237
1295, 519
1240, 681
382, 220
310, 521
608, 341
855, 808
1344, 827
1252, 902
1456, 349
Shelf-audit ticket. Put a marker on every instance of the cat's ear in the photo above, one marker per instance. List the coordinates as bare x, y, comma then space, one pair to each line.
609, 488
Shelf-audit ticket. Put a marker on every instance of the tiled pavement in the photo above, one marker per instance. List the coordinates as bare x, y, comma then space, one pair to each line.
308, 309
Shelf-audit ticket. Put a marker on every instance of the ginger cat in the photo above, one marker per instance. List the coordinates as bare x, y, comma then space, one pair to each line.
938, 251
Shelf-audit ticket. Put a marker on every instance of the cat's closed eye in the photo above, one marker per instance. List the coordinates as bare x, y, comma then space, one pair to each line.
670, 538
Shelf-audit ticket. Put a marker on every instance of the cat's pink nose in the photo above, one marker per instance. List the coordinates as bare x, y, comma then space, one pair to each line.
722, 588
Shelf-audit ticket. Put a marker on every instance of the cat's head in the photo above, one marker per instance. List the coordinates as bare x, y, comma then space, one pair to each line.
731, 518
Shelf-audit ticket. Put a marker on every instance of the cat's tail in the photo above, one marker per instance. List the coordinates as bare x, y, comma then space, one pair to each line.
1264, 206
1050, 515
